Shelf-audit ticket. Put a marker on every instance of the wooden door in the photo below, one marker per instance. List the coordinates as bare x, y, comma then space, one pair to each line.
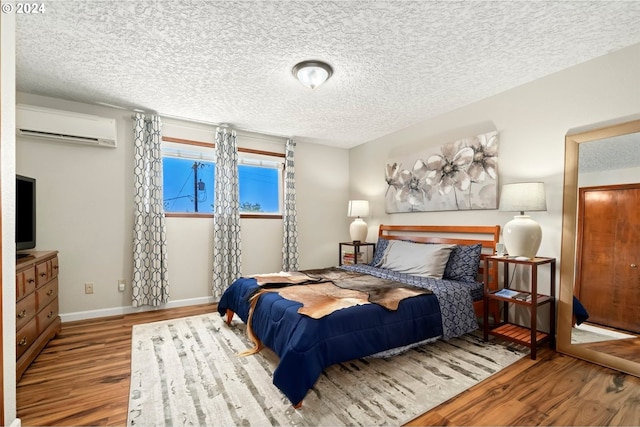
608, 265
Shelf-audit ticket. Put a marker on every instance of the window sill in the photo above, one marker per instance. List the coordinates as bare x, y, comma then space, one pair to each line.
209, 215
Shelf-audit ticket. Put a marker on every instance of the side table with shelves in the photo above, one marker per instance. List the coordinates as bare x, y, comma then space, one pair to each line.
531, 337
356, 249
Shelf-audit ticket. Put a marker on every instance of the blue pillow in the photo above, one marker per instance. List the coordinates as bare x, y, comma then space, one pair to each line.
381, 247
463, 263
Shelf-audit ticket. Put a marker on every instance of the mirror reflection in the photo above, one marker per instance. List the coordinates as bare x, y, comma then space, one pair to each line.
599, 306
606, 289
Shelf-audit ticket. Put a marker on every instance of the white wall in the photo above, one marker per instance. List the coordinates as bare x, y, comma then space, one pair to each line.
322, 190
7, 202
84, 207
620, 176
532, 121
85, 211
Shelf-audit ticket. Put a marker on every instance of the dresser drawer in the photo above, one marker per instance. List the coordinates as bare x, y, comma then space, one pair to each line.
46, 294
53, 265
26, 336
42, 273
25, 282
25, 310
37, 312
47, 315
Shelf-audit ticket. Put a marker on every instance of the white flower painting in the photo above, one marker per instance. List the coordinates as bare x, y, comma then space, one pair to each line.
463, 176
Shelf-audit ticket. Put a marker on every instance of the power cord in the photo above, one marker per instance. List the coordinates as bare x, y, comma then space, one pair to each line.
513, 274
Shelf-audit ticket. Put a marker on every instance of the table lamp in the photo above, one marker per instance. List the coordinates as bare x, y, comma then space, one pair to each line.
358, 228
522, 235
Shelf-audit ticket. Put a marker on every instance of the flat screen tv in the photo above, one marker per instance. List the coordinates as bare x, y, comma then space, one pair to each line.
25, 213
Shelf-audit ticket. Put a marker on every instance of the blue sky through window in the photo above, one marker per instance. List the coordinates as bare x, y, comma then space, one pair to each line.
259, 186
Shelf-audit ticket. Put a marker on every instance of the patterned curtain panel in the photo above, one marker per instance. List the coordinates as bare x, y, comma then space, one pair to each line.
227, 260
290, 219
150, 284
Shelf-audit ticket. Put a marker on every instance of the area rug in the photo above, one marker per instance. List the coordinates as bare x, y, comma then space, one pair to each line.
588, 333
186, 372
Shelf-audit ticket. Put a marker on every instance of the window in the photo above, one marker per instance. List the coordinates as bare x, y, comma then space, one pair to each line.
187, 184
189, 179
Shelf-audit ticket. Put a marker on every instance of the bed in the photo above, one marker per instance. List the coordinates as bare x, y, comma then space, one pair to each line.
448, 307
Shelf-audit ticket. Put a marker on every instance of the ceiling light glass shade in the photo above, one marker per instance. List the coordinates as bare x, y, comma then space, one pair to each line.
358, 229
522, 235
312, 73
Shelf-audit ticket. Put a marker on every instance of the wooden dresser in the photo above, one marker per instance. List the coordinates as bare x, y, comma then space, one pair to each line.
37, 319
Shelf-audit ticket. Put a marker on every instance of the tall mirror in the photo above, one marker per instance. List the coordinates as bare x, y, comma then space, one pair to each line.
603, 272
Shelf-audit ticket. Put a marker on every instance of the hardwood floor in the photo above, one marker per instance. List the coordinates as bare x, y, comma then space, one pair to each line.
626, 349
82, 378
554, 389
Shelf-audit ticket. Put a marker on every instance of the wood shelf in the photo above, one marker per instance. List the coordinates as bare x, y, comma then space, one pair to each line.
518, 334
357, 246
540, 299
509, 330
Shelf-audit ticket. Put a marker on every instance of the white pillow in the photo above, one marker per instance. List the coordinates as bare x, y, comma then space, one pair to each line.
418, 259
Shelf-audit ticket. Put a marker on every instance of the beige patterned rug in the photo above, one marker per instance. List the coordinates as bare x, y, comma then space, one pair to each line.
186, 372
588, 333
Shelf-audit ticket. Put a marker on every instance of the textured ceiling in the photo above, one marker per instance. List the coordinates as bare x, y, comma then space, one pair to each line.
396, 63
619, 152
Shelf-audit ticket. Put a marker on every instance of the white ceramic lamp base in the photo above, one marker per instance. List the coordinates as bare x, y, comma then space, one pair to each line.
358, 230
522, 236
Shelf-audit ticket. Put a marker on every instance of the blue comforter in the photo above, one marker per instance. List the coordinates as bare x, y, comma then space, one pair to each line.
307, 346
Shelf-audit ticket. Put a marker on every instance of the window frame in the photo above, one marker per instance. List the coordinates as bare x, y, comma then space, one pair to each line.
240, 150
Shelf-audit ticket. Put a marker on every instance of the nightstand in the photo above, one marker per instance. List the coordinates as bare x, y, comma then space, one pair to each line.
508, 330
346, 256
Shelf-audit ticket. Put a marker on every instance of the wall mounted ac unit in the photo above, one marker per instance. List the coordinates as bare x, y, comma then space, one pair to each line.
65, 126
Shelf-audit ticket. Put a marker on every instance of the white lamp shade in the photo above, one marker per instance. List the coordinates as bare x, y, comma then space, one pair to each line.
523, 196
358, 208
522, 235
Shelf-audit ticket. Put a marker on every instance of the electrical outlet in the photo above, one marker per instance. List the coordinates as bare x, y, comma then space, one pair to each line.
121, 285
88, 288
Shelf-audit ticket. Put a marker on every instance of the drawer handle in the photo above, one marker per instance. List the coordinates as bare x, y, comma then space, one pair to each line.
31, 280
23, 341
50, 315
43, 274
22, 314
634, 265
50, 292
55, 267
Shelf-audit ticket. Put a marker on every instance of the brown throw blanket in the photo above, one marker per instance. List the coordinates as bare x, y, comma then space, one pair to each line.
284, 278
321, 299
354, 288
324, 291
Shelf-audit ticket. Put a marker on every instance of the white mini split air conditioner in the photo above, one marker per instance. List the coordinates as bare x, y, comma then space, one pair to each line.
65, 126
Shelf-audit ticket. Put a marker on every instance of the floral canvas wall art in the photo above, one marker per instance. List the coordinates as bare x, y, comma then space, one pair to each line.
462, 176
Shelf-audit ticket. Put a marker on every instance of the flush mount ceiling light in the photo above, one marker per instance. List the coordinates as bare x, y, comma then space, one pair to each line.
312, 73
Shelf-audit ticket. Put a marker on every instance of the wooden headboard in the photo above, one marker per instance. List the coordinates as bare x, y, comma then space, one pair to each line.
488, 236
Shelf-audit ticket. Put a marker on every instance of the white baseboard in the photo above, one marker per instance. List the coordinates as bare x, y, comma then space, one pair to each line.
117, 311
16, 423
